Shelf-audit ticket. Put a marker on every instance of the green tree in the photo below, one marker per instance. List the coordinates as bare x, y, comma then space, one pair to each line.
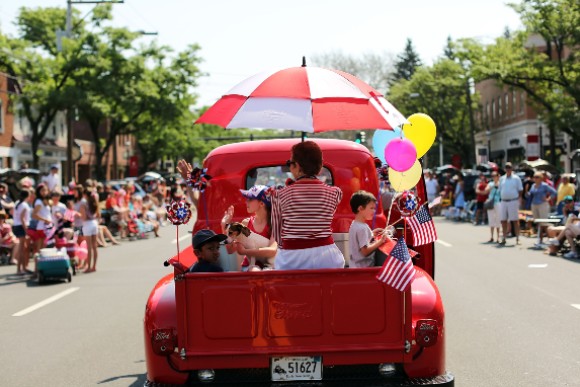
134, 91
439, 91
543, 61
407, 63
43, 70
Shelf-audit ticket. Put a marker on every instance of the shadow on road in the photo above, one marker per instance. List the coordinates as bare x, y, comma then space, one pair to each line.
141, 379
12, 279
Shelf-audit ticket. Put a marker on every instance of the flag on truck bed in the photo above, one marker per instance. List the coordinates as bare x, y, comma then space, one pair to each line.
398, 269
422, 227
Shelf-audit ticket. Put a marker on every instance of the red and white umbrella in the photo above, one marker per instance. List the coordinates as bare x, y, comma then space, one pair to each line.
307, 99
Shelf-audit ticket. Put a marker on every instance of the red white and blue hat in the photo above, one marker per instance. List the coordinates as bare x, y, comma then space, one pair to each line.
257, 192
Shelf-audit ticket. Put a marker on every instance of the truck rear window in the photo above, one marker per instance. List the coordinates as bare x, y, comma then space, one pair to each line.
277, 175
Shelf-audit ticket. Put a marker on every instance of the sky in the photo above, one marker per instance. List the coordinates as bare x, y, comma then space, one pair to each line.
240, 38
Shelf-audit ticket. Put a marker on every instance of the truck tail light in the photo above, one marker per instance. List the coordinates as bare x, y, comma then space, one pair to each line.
163, 341
426, 332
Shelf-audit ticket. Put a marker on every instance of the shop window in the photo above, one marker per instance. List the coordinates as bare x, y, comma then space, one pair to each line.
487, 114
506, 105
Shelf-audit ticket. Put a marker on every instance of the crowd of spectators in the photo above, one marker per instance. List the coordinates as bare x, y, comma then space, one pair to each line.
540, 203
85, 216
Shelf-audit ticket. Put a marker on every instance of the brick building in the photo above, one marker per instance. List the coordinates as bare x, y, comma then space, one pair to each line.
512, 130
6, 123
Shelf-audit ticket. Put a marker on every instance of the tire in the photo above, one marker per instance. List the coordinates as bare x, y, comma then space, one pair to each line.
41, 279
68, 277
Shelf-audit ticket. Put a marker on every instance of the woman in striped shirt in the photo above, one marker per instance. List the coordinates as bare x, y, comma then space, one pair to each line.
302, 214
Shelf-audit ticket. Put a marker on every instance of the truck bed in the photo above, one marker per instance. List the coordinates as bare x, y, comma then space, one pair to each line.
242, 319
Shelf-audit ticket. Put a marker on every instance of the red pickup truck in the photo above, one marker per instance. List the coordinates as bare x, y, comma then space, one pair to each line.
305, 327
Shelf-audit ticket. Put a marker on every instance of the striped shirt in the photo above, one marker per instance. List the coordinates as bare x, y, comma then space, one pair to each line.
304, 210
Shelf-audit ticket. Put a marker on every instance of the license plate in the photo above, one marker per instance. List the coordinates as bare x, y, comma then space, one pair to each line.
296, 368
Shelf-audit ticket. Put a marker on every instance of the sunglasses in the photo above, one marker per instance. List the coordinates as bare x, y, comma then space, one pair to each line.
289, 163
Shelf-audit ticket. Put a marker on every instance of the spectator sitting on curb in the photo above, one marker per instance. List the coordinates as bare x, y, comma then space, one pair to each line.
569, 232
567, 210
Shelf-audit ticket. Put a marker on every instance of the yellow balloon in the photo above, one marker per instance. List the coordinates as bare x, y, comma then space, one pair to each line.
403, 181
421, 130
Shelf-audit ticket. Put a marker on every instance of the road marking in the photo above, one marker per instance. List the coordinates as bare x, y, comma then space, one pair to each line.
443, 243
537, 265
577, 306
46, 302
181, 239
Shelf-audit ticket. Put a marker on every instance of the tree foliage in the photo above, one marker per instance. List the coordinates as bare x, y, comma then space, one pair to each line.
407, 63
438, 91
43, 71
118, 86
542, 60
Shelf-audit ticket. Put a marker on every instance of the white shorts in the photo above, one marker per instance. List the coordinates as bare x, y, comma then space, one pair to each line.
90, 227
509, 211
493, 216
322, 257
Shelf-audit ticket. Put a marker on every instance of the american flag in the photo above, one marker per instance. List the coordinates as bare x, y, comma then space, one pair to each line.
398, 269
423, 227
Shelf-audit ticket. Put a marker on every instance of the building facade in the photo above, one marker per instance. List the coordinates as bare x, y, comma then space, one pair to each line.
7, 152
512, 130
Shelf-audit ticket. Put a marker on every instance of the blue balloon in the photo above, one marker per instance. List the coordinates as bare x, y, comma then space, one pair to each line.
381, 138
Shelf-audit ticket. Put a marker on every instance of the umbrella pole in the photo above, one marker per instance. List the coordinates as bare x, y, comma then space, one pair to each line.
303, 135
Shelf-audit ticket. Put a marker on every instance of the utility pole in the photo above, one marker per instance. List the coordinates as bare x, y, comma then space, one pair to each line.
70, 173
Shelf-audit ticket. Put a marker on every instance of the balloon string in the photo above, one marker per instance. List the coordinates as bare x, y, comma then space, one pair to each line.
177, 236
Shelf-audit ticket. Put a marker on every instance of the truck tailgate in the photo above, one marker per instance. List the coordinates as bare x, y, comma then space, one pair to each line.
344, 315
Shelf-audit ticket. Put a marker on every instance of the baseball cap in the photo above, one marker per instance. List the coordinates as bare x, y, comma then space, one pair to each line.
54, 166
568, 198
203, 236
508, 165
257, 192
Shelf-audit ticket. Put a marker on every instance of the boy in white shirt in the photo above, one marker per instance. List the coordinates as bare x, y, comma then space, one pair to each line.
361, 241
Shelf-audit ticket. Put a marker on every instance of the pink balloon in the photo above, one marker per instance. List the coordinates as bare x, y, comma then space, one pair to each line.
400, 154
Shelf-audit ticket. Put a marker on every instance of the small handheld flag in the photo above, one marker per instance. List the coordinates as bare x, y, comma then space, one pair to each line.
422, 227
398, 269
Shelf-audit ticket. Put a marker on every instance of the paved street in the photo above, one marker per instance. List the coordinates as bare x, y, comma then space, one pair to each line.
512, 312
92, 336
512, 315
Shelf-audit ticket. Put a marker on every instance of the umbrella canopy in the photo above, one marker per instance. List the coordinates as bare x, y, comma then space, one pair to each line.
539, 164
150, 176
307, 99
447, 168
